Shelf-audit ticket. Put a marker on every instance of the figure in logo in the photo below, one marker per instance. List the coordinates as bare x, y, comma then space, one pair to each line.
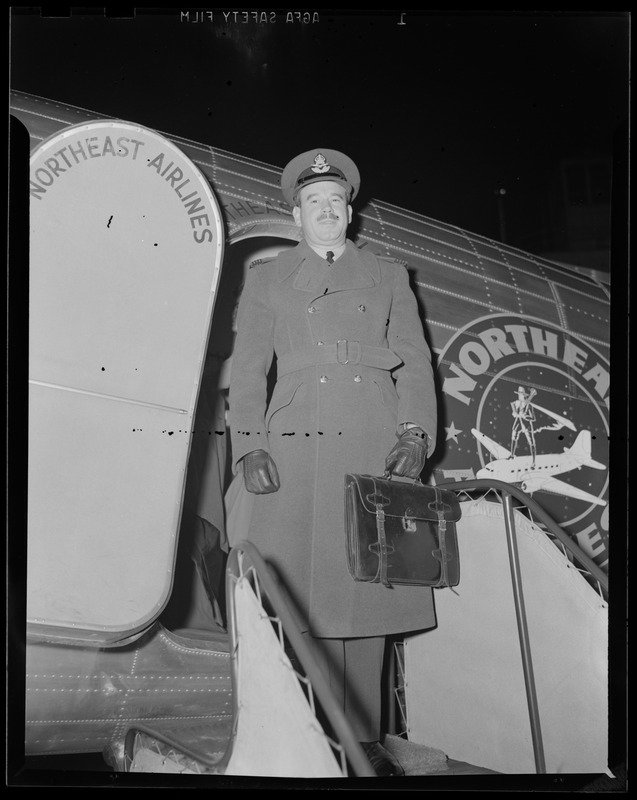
537, 472
523, 421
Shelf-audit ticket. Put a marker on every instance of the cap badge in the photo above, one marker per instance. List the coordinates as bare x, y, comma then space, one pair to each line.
320, 165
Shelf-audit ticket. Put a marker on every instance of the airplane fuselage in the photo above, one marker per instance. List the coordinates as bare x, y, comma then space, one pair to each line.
520, 468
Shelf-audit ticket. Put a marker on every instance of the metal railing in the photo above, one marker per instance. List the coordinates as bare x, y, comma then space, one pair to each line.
246, 562
506, 492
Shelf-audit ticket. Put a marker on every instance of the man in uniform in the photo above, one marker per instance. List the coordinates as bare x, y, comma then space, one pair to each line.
354, 394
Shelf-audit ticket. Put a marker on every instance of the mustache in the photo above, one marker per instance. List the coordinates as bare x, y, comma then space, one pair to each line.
328, 215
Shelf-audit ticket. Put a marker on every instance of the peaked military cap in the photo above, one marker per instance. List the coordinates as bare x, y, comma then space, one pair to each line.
319, 165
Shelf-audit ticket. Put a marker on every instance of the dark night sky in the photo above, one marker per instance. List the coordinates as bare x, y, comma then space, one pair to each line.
437, 112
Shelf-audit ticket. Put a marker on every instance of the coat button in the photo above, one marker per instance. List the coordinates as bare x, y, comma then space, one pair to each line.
357, 378
312, 309
323, 378
362, 308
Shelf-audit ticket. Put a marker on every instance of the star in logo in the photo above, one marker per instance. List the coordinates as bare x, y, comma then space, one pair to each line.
452, 433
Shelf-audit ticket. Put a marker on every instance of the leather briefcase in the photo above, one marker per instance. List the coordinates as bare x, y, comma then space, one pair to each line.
401, 533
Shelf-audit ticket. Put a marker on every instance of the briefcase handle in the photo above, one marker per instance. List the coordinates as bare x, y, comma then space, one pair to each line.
387, 475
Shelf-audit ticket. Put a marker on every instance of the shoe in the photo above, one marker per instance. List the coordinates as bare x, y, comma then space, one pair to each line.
382, 760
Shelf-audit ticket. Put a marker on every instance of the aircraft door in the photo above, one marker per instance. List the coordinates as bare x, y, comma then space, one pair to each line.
126, 245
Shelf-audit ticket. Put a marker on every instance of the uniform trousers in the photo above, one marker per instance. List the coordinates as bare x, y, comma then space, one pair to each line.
354, 669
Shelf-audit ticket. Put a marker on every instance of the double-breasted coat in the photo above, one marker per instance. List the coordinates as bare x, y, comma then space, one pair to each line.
352, 365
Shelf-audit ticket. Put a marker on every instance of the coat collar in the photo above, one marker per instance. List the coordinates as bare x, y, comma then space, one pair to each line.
354, 269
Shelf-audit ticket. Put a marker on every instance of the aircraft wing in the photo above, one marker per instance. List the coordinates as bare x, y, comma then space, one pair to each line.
560, 487
493, 447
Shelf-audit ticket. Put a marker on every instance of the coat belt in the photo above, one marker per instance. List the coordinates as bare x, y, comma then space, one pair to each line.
343, 352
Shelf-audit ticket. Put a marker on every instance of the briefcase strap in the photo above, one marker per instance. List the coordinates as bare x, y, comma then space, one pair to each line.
441, 553
380, 547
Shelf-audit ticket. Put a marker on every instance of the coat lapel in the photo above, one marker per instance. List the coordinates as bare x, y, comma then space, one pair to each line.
290, 260
353, 270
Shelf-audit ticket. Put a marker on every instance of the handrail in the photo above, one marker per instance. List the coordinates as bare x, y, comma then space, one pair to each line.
508, 492
319, 685
523, 635
520, 614
506, 488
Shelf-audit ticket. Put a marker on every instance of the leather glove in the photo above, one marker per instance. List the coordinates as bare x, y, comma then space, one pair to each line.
408, 455
260, 473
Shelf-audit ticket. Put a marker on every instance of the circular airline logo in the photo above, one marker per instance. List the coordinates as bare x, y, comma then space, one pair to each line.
526, 402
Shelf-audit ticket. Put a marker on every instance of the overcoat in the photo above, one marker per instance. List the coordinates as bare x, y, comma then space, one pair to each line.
352, 364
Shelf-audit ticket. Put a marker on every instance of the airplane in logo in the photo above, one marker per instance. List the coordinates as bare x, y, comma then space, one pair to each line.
537, 473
